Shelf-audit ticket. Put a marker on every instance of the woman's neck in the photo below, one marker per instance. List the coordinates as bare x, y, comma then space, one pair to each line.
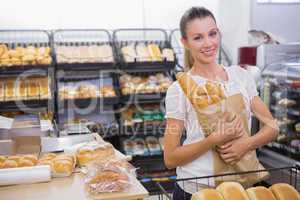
210, 71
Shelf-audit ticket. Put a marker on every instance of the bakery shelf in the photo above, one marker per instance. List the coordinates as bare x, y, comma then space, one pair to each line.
142, 130
143, 98
26, 105
23, 50
143, 39
83, 49
84, 102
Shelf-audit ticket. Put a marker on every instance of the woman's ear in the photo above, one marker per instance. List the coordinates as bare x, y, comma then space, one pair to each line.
185, 43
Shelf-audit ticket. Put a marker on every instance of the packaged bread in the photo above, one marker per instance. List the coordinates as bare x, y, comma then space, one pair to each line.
207, 194
2, 97
107, 91
44, 88
142, 52
10, 92
33, 89
93, 151
22, 90
62, 165
155, 52
106, 53
168, 54
129, 53
232, 190
284, 191
260, 193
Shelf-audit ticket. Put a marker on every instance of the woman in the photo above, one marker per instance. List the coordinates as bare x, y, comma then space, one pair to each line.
201, 39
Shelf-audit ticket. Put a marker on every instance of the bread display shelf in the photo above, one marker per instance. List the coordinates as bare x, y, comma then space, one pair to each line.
143, 50
83, 49
24, 105
83, 102
143, 98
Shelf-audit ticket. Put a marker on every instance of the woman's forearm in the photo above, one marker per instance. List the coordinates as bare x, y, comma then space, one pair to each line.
262, 137
187, 153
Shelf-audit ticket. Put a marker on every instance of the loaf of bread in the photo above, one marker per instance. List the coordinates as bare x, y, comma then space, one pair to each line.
93, 151
142, 53
232, 190
18, 161
129, 53
260, 193
284, 191
155, 52
207, 194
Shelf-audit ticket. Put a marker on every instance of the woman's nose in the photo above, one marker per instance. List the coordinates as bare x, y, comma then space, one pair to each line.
207, 42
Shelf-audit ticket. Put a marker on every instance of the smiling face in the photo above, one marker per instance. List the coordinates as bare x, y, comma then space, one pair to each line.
202, 39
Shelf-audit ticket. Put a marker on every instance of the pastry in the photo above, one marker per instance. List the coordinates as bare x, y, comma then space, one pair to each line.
2, 159
168, 54
232, 190
22, 90
142, 53
2, 91
10, 90
260, 193
107, 181
15, 158
154, 52
129, 53
9, 164
106, 53
44, 88
62, 166
33, 89
284, 191
25, 163
286, 102
48, 156
207, 194
297, 127
93, 151
31, 158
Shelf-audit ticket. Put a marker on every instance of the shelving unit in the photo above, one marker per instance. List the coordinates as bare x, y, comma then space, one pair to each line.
26, 54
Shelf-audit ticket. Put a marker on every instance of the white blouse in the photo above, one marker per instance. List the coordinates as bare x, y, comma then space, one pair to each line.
179, 107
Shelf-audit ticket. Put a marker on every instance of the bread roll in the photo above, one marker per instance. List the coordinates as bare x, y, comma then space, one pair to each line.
129, 53
2, 159
25, 163
32, 158
9, 164
155, 52
283, 191
207, 194
48, 156
62, 166
15, 158
232, 190
260, 193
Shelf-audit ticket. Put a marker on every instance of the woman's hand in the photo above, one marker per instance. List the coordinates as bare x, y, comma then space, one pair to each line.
228, 131
232, 152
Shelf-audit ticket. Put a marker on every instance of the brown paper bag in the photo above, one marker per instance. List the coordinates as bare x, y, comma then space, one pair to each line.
208, 119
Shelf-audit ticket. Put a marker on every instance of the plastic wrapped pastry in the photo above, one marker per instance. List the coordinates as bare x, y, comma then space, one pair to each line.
142, 53
168, 54
129, 53
155, 52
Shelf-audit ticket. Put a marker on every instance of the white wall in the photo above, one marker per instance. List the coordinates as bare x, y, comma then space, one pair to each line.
234, 23
232, 15
108, 14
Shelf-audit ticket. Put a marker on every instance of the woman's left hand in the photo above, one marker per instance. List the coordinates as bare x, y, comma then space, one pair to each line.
235, 150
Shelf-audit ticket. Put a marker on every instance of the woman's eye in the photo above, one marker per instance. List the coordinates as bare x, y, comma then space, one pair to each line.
213, 33
197, 38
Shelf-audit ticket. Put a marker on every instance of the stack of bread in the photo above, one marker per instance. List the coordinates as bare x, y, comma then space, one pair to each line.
235, 191
12, 89
94, 151
144, 84
29, 55
146, 53
84, 54
61, 164
18, 161
108, 176
85, 90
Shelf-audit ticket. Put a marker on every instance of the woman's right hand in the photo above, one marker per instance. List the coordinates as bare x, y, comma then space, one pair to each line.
227, 131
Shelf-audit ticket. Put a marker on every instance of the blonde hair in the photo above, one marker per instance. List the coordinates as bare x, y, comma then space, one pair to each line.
188, 60
189, 15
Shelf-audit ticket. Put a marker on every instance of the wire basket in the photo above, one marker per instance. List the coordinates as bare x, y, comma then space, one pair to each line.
135, 49
83, 49
24, 49
290, 175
